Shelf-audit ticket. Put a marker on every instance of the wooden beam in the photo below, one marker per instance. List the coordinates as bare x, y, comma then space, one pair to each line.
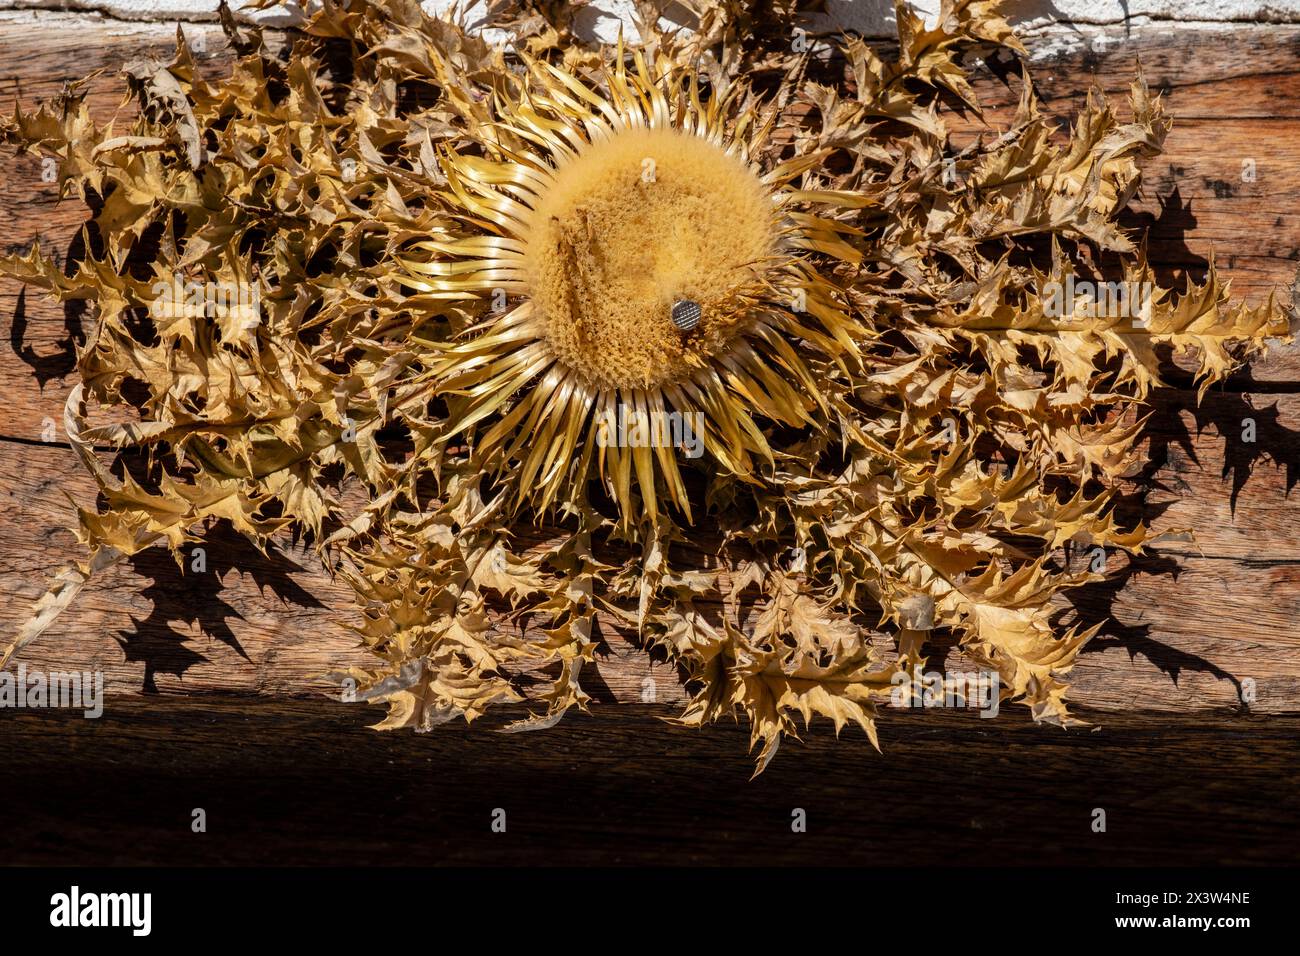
1190, 625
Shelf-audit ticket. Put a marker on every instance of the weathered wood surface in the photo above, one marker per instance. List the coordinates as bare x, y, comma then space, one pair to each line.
1190, 622
303, 783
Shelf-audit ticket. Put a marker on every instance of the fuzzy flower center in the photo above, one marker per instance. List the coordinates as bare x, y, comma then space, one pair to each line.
632, 236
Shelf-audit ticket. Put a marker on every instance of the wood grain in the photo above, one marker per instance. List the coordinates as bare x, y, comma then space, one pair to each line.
1188, 625
300, 783
1242, 101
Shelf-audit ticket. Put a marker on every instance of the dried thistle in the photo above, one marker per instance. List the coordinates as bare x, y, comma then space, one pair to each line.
606, 215
477, 281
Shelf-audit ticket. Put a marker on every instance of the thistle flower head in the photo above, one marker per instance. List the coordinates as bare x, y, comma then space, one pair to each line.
629, 228
593, 214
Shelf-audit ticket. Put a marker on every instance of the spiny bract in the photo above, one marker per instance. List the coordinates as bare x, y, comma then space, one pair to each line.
480, 279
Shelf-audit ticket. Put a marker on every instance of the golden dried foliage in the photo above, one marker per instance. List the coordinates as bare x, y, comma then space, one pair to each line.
457, 271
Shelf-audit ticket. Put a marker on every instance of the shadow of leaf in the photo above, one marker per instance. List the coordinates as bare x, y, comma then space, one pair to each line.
195, 599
